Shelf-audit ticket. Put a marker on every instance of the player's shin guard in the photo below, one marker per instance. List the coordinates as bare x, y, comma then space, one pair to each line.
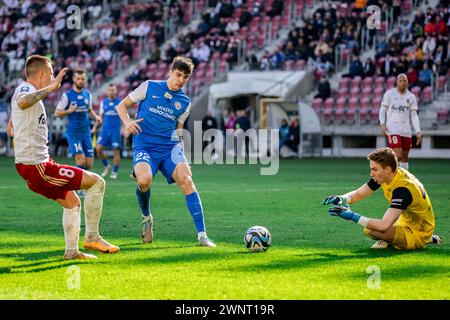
194, 205
144, 201
93, 204
71, 224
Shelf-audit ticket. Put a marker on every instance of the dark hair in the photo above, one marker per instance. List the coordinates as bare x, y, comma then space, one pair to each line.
34, 63
183, 64
79, 71
385, 157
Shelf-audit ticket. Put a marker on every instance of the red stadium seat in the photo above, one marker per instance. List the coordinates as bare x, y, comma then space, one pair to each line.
328, 110
366, 92
300, 64
416, 91
379, 82
441, 83
427, 95
344, 83
342, 93
364, 110
391, 82
442, 116
355, 92
407, 5
289, 65
355, 82
375, 115
368, 82
317, 104
351, 111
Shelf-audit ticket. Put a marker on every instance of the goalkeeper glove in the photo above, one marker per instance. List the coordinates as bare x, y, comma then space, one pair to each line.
344, 212
336, 200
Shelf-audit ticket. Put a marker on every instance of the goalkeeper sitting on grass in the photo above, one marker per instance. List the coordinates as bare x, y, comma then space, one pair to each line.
408, 222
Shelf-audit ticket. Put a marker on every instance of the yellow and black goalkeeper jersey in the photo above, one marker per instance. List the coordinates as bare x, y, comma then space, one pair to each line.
407, 193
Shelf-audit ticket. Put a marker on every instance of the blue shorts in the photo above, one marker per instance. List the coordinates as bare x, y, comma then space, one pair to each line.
110, 139
164, 161
81, 144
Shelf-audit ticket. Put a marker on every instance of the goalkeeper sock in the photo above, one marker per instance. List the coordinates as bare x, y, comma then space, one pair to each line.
93, 204
144, 201
194, 205
71, 224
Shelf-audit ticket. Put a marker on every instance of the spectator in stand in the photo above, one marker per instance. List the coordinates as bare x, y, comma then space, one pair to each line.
294, 136
429, 45
412, 76
284, 133
369, 68
355, 69
277, 8
252, 61
388, 66
324, 88
425, 76
381, 48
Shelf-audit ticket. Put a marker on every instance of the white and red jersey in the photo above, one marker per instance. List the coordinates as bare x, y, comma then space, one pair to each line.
30, 129
398, 115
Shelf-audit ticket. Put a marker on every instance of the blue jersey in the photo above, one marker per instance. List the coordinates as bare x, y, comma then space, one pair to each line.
161, 110
78, 121
111, 118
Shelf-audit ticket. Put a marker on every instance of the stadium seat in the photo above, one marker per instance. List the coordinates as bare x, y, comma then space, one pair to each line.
364, 110
366, 92
368, 82
391, 82
355, 92
340, 110
379, 82
416, 91
427, 95
351, 111
442, 116
344, 83
300, 64
328, 110
374, 115
441, 83
355, 82
317, 104
407, 5
289, 65
342, 93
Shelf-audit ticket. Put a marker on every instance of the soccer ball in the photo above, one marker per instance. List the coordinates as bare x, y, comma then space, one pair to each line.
257, 239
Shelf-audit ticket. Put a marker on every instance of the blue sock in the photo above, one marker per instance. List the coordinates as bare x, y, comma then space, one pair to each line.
105, 162
195, 208
144, 201
116, 168
81, 167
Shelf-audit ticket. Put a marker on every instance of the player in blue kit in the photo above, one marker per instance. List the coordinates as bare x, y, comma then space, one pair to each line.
110, 135
76, 104
157, 142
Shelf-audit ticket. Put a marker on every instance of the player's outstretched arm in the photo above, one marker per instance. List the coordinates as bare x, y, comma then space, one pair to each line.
26, 100
381, 225
131, 126
348, 198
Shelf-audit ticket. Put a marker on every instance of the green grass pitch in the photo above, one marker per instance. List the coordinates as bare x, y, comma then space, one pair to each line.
313, 255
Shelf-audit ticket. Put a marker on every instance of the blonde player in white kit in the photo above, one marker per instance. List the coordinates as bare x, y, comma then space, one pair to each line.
398, 110
41, 173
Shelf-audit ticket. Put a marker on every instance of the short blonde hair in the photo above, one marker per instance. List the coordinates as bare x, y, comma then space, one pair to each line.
35, 63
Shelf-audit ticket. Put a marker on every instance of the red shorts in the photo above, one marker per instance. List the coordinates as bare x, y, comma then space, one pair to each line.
50, 179
397, 141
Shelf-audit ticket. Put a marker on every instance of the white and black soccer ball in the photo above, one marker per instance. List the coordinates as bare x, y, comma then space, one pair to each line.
257, 239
